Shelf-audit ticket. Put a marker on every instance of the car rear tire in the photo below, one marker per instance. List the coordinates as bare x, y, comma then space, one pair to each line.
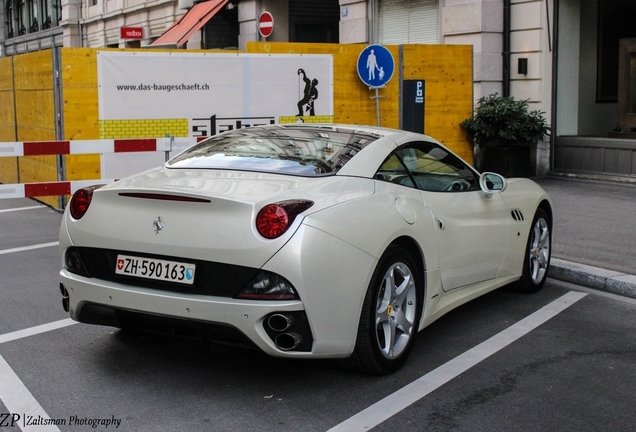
537, 254
390, 315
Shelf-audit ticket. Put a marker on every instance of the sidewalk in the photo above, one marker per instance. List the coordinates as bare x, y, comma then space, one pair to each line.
594, 233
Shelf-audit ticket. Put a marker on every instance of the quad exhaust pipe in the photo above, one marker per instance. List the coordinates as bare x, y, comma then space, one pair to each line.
281, 323
288, 341
65, 301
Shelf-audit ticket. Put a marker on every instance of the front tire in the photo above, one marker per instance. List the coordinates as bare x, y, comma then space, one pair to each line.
537, 255
390, 315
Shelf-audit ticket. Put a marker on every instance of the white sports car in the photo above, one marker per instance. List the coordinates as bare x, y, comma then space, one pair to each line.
306, 241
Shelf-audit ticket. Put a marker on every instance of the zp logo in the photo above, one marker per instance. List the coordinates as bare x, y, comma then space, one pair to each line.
9, 419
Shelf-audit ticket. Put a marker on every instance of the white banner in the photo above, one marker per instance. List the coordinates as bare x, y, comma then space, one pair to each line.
207, 88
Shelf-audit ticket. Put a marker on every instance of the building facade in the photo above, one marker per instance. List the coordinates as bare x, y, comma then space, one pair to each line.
501, 31
561, 55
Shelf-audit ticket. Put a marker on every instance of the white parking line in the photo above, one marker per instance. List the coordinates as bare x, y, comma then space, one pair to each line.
14, 395
25, 248
19, 401
19, 334
22, 208
401, 399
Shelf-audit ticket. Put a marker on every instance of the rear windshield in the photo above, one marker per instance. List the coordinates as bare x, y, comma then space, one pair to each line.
297, 150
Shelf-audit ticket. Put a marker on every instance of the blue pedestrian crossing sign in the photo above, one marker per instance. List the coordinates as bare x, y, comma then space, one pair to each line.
375, 66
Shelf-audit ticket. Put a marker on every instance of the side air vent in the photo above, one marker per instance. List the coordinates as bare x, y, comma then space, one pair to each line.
517, 215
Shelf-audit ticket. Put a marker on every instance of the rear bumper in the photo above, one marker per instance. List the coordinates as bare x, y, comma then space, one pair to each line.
330, 276
220, 319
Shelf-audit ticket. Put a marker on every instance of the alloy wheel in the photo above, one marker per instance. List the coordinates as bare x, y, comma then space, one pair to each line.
396, 310
539, 252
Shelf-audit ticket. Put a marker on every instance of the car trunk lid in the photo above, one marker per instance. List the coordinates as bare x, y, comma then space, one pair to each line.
199, 214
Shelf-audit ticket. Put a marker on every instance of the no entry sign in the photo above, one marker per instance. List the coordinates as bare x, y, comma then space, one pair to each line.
265, 24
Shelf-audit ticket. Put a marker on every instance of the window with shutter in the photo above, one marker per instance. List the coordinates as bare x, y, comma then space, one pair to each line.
408, 21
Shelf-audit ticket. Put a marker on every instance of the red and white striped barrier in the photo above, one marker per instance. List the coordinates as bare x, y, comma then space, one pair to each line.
50, 148
33, 190
42, 148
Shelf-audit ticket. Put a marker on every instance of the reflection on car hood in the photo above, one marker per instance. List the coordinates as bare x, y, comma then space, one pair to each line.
245, 186
235, 185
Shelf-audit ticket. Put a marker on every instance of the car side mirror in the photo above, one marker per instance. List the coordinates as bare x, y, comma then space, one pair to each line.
492, 183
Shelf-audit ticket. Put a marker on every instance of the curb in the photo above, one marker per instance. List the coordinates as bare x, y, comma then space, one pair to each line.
626, 180
593, 277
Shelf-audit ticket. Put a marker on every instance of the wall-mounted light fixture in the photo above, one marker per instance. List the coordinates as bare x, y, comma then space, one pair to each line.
522, 66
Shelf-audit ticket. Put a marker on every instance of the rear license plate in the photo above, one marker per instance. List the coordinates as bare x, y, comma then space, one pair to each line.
149, 268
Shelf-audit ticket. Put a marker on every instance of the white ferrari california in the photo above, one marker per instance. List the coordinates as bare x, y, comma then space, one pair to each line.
305, 241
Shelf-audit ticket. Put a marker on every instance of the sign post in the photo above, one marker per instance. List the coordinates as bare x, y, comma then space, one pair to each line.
375, 69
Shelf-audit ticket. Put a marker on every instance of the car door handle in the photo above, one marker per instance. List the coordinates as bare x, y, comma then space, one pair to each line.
441, 224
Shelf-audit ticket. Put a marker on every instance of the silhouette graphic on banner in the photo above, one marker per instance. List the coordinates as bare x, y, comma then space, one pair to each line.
310, 94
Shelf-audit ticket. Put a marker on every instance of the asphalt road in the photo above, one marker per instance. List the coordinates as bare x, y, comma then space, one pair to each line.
562, 359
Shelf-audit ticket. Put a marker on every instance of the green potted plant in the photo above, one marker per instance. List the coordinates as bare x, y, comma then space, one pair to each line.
504, 130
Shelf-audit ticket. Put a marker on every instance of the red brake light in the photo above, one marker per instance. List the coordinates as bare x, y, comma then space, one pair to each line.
81, 200
274, 219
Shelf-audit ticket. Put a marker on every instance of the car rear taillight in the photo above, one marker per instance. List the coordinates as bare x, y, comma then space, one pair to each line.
81, 200
268, 286
73, 262
274, 219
